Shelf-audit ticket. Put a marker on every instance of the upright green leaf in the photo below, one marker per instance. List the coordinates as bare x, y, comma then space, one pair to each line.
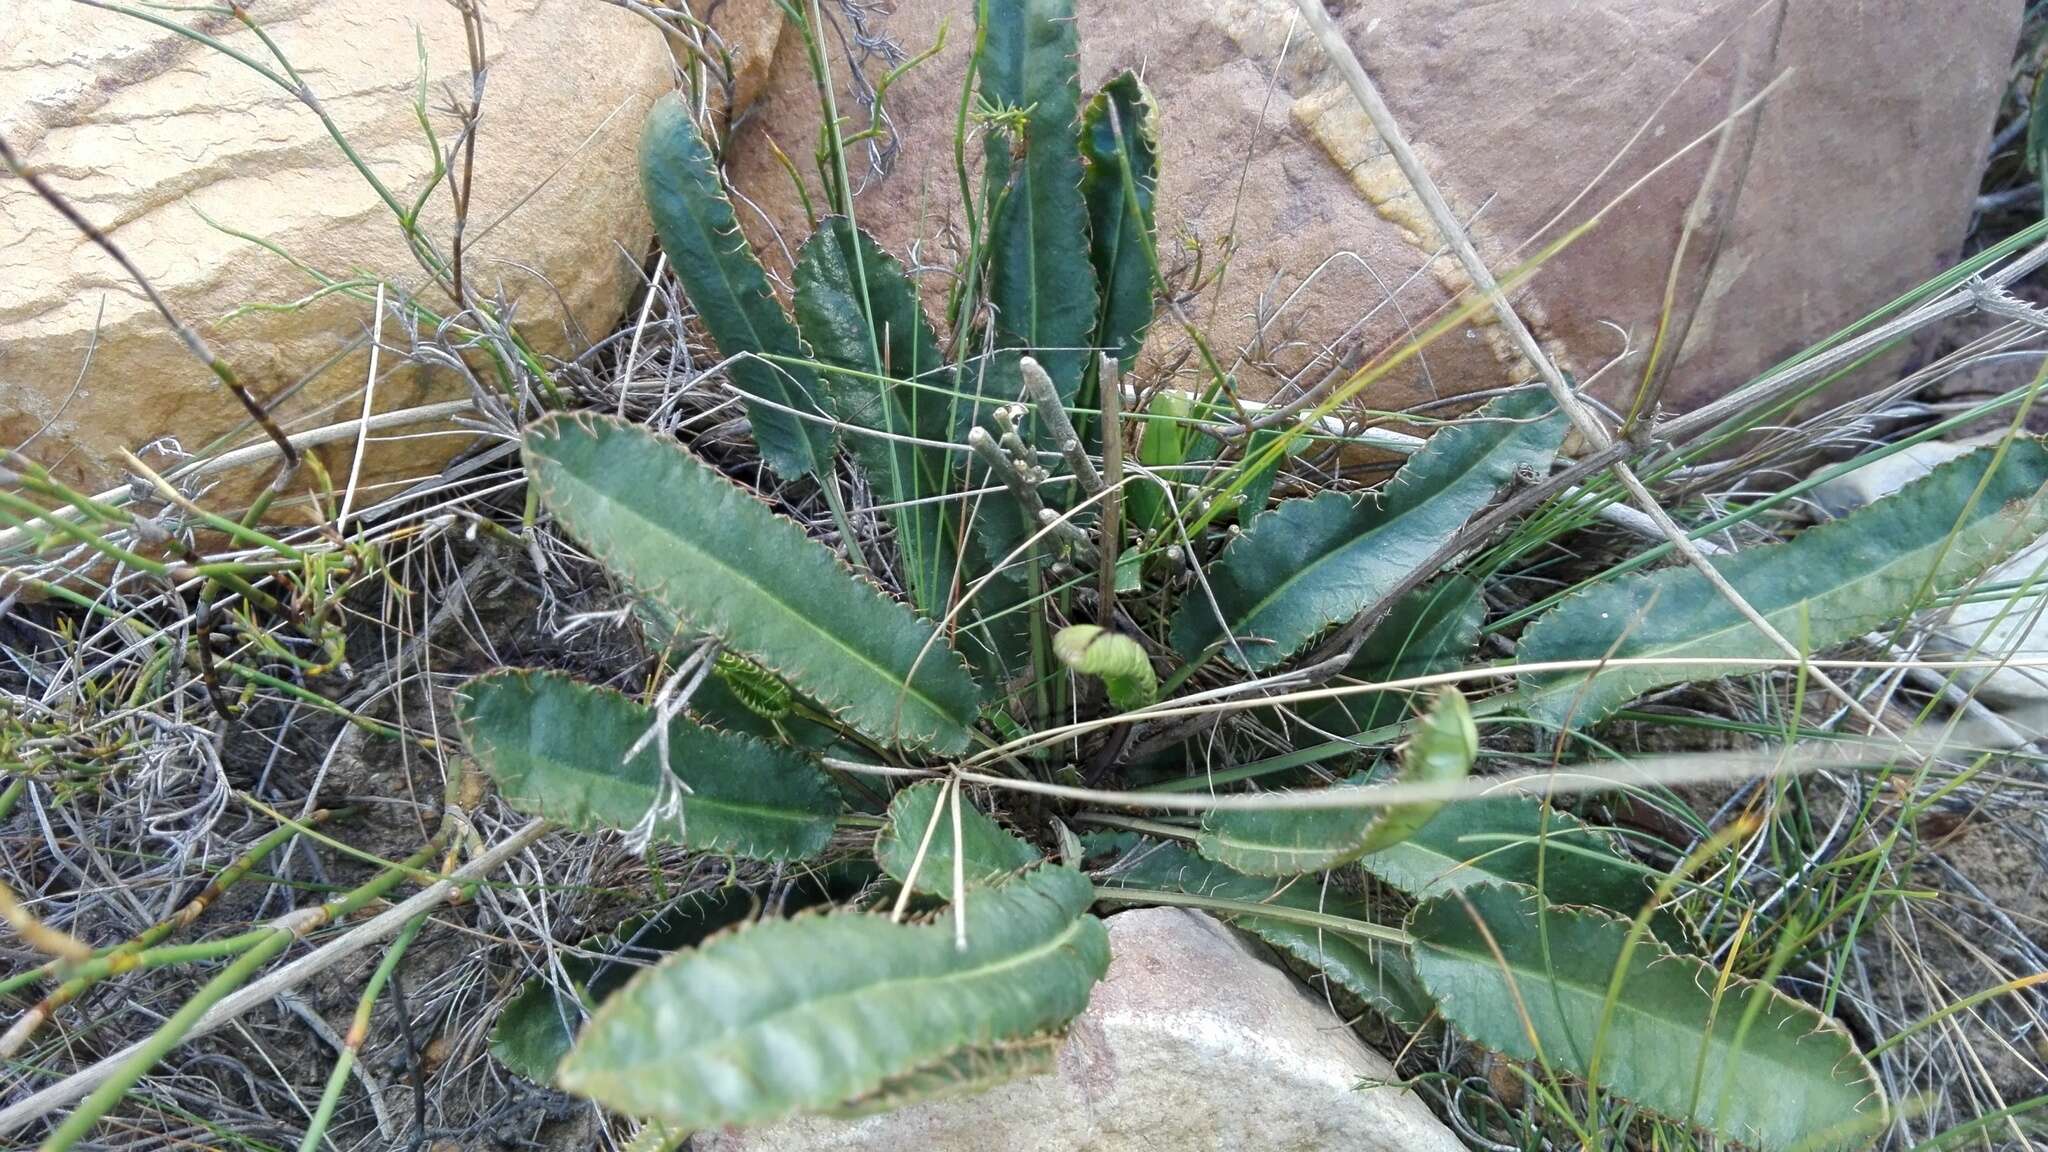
1375, 972
730, 292
1307, 564
1120, 176
821, 1012
1040, 280
557, 748
1119, 661
1740, 1060
1168, 440
1825, 586
993, 855
1289, 841
715, 558
858, 310
1432, 629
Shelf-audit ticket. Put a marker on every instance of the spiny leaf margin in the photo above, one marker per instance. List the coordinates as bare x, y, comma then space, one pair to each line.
717, 558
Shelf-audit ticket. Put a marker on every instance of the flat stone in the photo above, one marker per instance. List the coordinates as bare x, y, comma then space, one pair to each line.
1194, 1040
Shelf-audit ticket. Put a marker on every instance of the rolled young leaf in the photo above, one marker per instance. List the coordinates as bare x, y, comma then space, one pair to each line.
1289, 841
1442, 749
557, 748
717, 560
1117, 660
820, 1012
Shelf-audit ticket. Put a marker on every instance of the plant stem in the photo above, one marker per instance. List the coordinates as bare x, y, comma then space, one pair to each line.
358, 1031
136, 1062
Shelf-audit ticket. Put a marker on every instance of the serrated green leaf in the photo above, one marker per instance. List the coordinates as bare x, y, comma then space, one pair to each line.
1497, 839
1292, 841
1375, 972
993, 855
1117, 660
1121, 230
963, 1073
1286, 841
820, 1012
1750, 1064
714, 557
1310, 563
857, 309
1432, 629
1040, 280
1828, 585
557, 748
537, 1026
729, 290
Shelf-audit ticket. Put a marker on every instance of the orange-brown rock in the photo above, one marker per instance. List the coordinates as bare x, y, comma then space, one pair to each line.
1853, 182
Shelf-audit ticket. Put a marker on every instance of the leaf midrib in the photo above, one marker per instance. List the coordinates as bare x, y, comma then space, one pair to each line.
790, 815
1488, 964
886, 675
1739, 626
1244, 620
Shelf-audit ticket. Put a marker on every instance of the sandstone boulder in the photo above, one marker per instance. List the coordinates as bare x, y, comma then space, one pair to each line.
151, 135
1192, 1040
1854, 182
